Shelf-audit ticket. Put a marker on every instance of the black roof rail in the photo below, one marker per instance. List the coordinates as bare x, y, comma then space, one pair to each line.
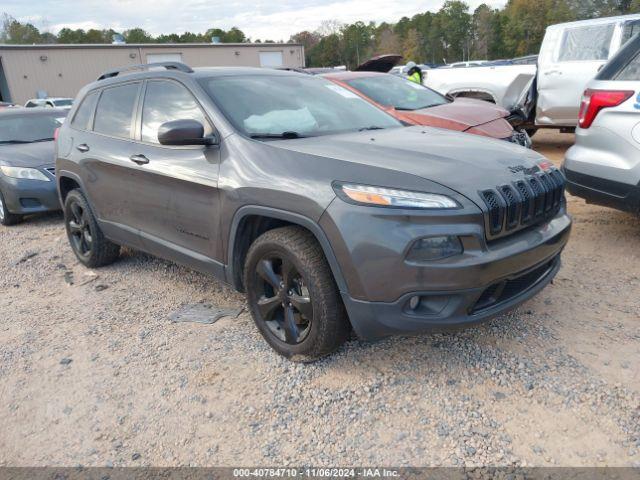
145, 66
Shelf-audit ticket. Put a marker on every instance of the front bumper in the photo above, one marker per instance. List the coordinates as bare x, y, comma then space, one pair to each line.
486, 280
446, 310
24, 197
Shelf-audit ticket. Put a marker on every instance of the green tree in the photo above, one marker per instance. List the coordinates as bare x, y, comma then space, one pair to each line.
137, 35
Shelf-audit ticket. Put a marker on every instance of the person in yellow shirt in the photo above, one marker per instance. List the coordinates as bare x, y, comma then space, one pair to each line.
414, 73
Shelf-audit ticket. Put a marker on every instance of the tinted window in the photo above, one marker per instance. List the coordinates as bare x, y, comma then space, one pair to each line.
277, 104
29, 128
397, 92
629, 30
83, 115
115, 110
167, 101
590, 42
63, 103
631, 71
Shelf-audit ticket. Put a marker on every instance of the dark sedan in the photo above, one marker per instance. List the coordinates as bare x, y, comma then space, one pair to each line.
27, 164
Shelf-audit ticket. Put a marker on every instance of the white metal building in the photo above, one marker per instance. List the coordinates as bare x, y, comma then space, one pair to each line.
29, 71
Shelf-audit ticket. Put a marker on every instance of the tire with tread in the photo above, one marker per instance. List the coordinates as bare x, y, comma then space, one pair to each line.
330, 327
103, 251
7, 218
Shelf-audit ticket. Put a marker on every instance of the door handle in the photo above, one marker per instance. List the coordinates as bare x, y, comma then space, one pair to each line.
553, 72
83, 147
139, 159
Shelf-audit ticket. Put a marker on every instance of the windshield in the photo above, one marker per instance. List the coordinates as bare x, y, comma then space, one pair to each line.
63, 103
28, 128
399, 93
292, 106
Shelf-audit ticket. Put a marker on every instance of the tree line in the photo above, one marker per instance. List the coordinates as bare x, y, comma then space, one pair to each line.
453, 33
14, 32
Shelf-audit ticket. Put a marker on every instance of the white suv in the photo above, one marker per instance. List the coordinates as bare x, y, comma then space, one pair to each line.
604, 164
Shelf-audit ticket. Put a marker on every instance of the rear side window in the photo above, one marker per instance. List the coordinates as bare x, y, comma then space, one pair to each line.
83, 115
115, 110
165, 101
631, 71
591, 42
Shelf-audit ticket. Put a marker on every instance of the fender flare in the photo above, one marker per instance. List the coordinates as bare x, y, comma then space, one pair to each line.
67, 174
287, 216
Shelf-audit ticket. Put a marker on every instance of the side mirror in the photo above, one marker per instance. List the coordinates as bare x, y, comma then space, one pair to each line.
184, 132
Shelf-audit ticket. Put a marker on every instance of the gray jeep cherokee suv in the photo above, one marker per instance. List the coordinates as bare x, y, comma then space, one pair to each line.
326, 211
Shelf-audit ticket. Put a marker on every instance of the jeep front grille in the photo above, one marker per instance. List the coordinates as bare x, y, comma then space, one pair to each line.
523, 203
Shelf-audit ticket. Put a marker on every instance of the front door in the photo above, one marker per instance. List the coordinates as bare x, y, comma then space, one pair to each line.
570, 57
175, 204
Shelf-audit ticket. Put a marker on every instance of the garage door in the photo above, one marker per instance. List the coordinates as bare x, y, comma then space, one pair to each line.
164, 57
271, 59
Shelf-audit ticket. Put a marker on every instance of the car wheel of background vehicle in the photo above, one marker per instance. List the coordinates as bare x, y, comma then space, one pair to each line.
292, 295
7, 218
86, 239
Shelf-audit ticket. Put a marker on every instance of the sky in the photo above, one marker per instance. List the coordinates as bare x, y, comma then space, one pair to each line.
260, 19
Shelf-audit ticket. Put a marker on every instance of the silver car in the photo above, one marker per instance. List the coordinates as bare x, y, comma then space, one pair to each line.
603, 166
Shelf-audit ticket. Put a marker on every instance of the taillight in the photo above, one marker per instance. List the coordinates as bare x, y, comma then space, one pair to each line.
55, 133
595, 100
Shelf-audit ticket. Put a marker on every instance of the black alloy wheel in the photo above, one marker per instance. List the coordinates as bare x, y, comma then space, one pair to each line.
284, 301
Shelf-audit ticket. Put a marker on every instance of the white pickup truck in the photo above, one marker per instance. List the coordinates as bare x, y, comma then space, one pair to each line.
547, 95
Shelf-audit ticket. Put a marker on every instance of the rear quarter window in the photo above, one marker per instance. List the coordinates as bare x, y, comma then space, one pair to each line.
83, 116
631, 71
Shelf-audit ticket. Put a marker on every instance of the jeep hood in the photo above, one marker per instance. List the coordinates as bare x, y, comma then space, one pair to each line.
462, 162
34, 154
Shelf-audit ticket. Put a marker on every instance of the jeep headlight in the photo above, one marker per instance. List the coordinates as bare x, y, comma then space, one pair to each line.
24, 173
390, 197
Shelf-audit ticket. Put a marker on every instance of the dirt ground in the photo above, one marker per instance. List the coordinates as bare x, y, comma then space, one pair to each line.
93, 372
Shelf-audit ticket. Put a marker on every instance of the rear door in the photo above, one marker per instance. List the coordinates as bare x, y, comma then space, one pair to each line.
176, 201
569, 58
102, 146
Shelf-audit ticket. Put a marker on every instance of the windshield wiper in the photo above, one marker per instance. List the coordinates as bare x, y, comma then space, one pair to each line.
417, 108
285, 135
373, 127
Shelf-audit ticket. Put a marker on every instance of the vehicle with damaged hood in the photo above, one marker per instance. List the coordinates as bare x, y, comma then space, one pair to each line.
547, 95
416, 104
328, 212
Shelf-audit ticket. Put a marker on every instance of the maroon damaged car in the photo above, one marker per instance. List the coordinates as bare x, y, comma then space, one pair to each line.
416, 104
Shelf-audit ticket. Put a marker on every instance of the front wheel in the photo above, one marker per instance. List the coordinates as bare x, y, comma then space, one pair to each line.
292, 295
86, 239
7, 218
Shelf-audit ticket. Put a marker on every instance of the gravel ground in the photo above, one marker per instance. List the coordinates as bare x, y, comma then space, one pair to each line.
92, 371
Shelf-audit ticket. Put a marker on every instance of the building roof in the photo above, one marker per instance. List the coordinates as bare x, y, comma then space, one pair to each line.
60, 46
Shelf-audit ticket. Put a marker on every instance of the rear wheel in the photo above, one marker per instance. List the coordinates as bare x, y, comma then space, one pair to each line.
86, 239
292, 295
7, 218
